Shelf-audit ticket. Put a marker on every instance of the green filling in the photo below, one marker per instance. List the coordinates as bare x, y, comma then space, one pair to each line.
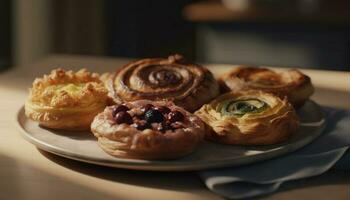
241, 107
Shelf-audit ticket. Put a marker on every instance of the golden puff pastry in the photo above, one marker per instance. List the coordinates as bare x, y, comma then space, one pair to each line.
171, 79
293, 84
66, 100
146, 129
249, 118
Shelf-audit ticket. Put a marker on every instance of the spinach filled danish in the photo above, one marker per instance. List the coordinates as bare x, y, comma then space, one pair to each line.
249, 118
293, 84
171, 79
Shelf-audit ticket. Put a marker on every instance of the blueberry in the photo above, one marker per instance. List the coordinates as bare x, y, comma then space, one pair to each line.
154, 116
141, 125
163, 109
146, 107
123, 117
176, 125
175, 116
164, 127
119, 108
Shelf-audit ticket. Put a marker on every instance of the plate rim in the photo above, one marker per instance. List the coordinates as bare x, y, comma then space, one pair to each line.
155, 165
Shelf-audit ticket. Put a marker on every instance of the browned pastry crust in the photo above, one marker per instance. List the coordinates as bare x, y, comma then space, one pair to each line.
127, 141
187, 85
274, 122
293, 84
66, 100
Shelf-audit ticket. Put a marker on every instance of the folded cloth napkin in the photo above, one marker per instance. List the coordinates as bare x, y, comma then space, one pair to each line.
327, 151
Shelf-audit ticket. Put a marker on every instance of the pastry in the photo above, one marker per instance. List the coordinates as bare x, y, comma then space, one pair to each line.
66, 100
292, 83
171, 79
249, 118
147, 129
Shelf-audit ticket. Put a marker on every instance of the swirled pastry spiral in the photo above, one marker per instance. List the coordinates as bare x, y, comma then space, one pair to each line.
187, 85
147, 129
249, 118
66, 100
292, 83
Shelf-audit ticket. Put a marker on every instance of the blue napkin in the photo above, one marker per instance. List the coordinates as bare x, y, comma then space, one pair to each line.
327, 151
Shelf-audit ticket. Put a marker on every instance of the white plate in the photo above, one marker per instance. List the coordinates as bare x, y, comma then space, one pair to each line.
82, 146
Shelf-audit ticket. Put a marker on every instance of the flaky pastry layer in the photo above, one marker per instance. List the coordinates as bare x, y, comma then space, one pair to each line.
66, 100
293, 84
273, 124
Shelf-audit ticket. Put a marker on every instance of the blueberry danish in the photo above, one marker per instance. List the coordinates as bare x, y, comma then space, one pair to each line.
147, 130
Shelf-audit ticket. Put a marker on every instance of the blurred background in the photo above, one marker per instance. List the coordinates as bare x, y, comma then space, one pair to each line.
294, 33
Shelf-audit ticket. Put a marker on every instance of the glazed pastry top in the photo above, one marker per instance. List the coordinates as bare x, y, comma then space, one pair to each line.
168, 79
293, 84
265, 78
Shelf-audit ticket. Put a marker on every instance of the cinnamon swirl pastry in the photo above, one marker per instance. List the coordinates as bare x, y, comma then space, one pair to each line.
249, 118
66, 100
292, 83
147, 130
187, 85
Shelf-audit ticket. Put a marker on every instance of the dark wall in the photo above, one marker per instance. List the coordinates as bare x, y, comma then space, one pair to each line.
148, 28
323, 46
78, 27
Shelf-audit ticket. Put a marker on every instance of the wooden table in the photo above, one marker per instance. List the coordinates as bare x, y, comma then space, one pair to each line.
28, 173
